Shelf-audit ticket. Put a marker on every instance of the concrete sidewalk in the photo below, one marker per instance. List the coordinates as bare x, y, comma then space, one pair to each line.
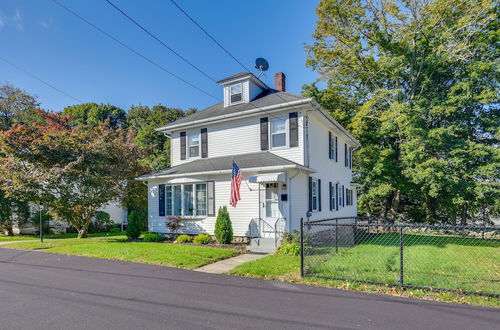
226, 265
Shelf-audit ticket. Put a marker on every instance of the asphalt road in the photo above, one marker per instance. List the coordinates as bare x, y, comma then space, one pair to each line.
48, 291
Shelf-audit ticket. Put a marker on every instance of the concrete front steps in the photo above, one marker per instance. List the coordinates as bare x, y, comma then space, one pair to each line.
263, 245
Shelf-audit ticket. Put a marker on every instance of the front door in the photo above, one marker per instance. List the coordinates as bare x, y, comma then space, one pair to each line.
270, 208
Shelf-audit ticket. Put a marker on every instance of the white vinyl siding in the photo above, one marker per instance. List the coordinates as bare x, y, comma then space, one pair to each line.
240, 137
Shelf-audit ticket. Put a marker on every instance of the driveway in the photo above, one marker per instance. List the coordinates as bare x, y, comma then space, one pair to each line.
48, 291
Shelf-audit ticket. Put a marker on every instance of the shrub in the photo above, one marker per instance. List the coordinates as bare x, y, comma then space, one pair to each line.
223, 227
202, 239
101, 223
184, 239
134, 226
291, 237
114, 228
289, 249
153, 237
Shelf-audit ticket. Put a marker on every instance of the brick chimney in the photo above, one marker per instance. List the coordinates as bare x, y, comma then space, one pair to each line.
279, 81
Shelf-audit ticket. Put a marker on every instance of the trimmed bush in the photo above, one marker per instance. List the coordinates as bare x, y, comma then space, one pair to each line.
202, 239
223, 227
153, 237
184, 239
289, 249
134, 226
291, 237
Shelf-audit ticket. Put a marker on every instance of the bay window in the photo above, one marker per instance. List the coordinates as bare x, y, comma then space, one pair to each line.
186, 199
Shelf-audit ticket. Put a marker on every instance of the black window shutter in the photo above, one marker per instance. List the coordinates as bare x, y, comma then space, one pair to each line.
343, 196
161, 200
330, 194
204, 143
319, 194
336, 149
183, 145
330, 145
294, 129
337, 196
346, 156
310, 194
264, 134
210, 198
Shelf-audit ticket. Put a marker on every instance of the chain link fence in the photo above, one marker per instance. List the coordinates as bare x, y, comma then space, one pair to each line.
463, 259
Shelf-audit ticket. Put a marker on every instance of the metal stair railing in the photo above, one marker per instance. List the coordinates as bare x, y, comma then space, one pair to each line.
262, 226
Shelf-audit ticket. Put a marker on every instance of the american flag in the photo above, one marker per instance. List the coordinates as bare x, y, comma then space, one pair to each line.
236, 178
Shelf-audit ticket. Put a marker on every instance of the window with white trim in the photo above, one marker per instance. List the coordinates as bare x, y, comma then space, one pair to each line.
236, 93
278, 133
194, 145
189, 199
314, 195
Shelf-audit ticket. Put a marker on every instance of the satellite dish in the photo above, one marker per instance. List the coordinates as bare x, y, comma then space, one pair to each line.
261, 64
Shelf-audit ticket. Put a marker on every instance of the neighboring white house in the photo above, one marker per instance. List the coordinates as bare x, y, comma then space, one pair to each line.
117, 213
293, 155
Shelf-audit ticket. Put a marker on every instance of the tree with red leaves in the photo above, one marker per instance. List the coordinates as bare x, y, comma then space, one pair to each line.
73, 171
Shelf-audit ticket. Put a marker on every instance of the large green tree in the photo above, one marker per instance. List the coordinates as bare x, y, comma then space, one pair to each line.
73, 171
156, 146
417, 83
95, 114
16, 106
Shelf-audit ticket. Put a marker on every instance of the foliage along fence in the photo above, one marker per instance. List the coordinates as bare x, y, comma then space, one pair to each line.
464, 259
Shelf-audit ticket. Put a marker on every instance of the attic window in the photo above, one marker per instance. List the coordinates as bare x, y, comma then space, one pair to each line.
236, 93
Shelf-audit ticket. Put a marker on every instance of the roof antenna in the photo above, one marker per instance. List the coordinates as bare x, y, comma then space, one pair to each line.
261, 65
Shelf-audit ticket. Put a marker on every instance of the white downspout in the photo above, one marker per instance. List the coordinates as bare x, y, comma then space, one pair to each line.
299, 170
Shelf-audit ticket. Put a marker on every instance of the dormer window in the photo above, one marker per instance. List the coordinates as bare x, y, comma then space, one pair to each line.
236, 93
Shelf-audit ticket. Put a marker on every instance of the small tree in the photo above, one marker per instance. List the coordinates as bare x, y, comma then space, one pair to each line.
223, 227
134, 225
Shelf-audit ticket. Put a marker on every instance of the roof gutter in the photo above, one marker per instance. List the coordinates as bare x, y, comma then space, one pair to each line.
242, 114
228, 171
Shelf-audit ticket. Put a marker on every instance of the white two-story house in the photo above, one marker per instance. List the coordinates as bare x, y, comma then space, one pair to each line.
293, 155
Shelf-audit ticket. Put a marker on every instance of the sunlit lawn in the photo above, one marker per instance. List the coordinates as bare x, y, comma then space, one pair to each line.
4, 238
444, 262
117, 248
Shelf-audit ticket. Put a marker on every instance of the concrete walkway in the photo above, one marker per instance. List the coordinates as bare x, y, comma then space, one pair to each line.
226, 265
11, 242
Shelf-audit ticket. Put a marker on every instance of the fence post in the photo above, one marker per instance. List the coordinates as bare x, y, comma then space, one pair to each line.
401, 248
301, 247
336, 235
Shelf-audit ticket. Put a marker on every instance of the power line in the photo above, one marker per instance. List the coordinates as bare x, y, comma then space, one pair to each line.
218, 43
133, 50
40, 79
209, 35
160, 41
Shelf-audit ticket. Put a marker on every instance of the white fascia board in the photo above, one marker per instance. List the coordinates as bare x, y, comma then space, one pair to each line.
242, 114
335, 123
243, 170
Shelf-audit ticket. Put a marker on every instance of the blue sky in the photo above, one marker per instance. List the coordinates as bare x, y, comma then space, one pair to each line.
49, 42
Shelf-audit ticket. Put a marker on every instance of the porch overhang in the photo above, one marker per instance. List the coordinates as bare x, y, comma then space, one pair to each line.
268, 177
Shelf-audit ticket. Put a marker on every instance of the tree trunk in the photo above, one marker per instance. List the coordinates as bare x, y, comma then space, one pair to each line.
82, 233
10, 232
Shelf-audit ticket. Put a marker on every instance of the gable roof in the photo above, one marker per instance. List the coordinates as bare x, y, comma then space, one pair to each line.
266, 98
256, 160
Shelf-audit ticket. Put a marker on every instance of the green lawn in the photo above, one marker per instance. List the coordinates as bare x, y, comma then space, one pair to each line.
53, 236
116, 248
440, 261
436, 261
